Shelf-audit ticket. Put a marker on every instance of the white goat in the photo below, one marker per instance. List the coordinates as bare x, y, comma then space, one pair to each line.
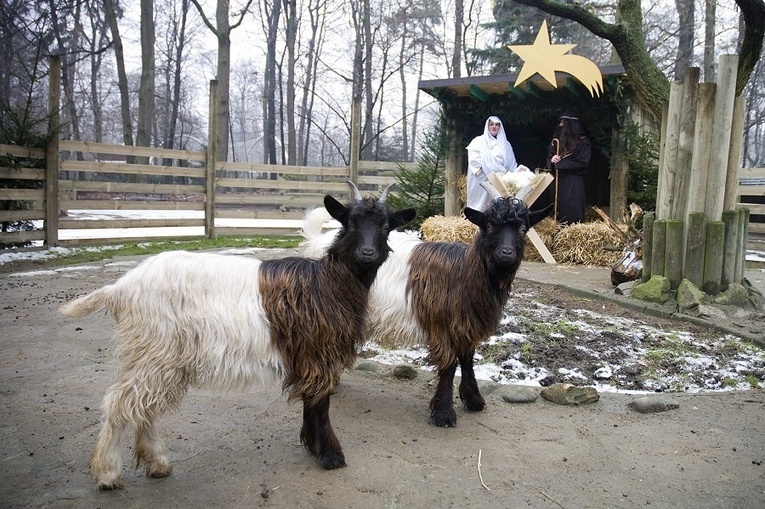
206, 320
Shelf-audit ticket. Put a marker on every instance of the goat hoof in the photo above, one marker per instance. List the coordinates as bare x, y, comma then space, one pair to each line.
332, 460
446, 420
160, 473
115, 484
475, 405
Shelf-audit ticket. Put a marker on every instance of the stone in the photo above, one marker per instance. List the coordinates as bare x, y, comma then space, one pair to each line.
404, 372
625, 288
567, 394
689, 296
367, 366
486, 387
651, 404
656, 289
711, 312
734, 295
519, 394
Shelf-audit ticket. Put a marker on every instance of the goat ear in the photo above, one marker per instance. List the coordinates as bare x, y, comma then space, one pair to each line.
401, 218
476, 217
336, 209
538, 215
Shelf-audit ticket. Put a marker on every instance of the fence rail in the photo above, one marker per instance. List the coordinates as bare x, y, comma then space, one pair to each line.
248, 199
751, 195
97, 177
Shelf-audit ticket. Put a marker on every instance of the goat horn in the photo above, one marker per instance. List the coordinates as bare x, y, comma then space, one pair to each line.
493, 193
355, 190
384, 195
523, 193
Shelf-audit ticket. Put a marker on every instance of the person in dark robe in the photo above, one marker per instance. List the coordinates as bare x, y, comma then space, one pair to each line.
568, 156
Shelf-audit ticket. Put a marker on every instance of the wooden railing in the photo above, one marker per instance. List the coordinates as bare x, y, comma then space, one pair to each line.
88, 180
751, 195
95, 177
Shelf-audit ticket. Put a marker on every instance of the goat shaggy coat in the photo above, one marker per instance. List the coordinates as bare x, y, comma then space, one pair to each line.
206, 320
449, 296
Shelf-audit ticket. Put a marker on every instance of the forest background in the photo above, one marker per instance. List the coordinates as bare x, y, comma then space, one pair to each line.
138, 72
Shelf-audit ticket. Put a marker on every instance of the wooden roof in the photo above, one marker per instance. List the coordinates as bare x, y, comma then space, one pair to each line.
481, 87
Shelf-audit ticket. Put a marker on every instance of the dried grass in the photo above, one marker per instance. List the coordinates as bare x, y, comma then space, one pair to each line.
584, 243
448, 229
547, 228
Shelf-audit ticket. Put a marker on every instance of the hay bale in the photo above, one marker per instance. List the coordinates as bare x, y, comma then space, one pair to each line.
448, 229
583, 243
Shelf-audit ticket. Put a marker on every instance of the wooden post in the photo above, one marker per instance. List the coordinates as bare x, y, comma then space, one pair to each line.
659, 247
51, 153
702, 148
666, 192
619, 171
648, 220
453, 168
713, 257
212, 156
690, 91
743, 235
721, 136
353, 157
673, 253
730, 246
693, 269
734, 154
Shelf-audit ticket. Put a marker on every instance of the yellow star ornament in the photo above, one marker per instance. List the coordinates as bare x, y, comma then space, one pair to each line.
545, 58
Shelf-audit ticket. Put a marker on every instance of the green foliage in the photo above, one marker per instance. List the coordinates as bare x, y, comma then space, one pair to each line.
643, 156
423, 188
17, 127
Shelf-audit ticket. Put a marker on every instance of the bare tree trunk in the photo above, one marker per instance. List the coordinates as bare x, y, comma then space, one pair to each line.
292, 25
122, 82
222, 31
366, 138
223, 75
402, 77
686, 15
146, 87
99, 31
176, 93
309, 87
459, 15
358, 67
70, 120
420, 69
710, 17
269, 85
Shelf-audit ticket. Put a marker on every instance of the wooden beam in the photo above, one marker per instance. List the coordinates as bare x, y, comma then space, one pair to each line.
534, 90
573, 86
518, 93
478, 93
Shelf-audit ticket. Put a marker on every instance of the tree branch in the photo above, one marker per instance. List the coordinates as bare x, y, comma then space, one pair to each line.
204, 18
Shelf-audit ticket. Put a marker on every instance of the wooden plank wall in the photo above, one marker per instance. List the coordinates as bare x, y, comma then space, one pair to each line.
98, 177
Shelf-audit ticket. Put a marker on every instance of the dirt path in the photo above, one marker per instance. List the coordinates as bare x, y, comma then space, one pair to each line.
242, 449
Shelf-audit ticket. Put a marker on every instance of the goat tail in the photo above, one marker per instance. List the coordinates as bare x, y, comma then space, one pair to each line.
88, 304
316, 242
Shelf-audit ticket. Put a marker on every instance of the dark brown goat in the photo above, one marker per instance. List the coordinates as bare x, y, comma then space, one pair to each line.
447, 295
206, 320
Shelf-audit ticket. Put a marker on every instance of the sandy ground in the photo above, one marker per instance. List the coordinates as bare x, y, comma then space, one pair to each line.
242, 449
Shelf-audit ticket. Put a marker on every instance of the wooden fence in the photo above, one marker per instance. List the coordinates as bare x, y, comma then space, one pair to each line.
97, 177
751, 195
